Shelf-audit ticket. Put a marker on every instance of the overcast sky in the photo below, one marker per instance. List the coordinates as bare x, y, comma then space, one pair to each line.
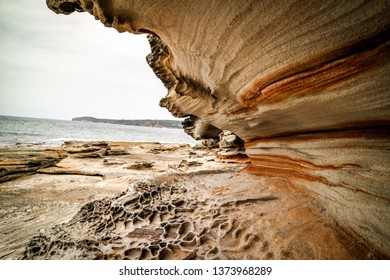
57, 66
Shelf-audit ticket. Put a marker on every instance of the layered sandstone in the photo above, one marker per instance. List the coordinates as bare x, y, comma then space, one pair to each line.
303, 83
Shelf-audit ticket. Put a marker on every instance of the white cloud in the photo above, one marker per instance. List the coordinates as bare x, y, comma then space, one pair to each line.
57, 66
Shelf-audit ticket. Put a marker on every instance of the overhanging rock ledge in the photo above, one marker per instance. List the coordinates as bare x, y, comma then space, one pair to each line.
304, 83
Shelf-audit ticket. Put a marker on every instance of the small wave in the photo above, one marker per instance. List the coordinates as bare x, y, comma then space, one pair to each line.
15, 133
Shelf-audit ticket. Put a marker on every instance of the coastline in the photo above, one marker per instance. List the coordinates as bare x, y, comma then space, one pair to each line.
145, 200
48, 132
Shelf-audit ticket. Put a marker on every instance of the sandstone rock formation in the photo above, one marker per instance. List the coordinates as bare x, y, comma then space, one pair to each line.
304, 83
188, 204
193, 217
44, 186
25, 161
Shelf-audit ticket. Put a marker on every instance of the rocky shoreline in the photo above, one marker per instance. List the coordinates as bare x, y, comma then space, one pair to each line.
118, 200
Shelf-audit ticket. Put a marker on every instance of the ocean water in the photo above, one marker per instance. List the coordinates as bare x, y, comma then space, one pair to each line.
20, 130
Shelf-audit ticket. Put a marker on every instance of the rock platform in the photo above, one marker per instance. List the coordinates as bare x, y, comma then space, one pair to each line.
109, 200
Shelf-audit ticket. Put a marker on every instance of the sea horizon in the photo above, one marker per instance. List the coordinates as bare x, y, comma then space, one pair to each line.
19, 130
57, 119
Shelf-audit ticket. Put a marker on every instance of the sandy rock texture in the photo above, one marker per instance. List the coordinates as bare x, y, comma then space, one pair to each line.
62, 180
163, 201
303, 83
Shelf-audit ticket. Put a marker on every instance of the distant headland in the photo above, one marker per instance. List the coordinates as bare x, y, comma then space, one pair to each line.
147, 123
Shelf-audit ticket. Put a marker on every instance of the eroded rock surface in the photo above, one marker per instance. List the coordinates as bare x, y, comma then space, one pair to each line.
188, 204
303, 83
25, 161
208, 214
49, 194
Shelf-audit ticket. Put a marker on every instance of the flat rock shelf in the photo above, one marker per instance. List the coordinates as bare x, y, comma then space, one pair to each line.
110, 200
